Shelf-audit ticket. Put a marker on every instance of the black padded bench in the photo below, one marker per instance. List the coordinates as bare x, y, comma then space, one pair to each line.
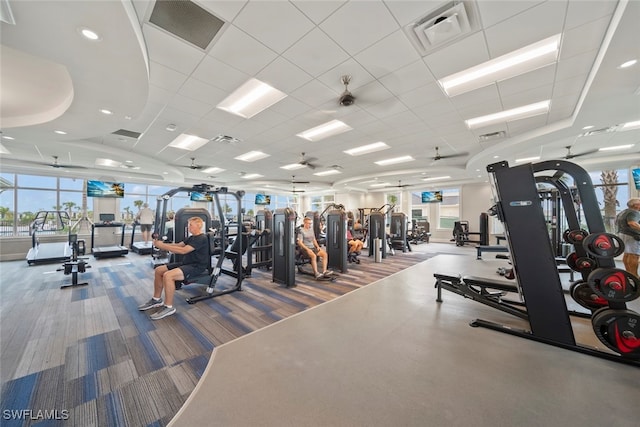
483, 248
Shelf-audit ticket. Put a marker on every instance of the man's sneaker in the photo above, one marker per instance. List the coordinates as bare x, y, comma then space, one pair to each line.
166, 311
327, 273
319, 276
152, 303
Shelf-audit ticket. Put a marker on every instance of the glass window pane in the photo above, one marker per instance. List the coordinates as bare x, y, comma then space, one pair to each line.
34, 181
71, 201
7, 213
7, 180
449, 208
71, 184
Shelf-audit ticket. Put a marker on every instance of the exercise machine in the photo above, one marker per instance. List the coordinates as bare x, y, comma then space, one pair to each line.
461, 232
107, 220
605, 289
398, 238
336, 239
75, 264
376, 235
219, 249
141, 247
49, 223
284, 247
420, 232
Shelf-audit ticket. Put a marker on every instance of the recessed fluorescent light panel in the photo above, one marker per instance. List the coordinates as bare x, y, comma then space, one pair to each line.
327, 172
436, 178
334, 127
251, 98
528, 159
616, 147
213, 170
519, 113
252, 156
381, 184
252, 176
631, 125
293, 166
365, 149
108, 163
395, 160
513, 64
188, 142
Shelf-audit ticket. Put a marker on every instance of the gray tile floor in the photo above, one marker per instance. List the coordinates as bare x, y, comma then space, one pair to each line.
389, 354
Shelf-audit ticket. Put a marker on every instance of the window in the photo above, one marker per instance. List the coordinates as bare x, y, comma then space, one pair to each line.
449, 209
612, 192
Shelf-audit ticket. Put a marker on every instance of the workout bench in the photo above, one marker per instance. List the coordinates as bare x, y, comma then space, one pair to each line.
486, 248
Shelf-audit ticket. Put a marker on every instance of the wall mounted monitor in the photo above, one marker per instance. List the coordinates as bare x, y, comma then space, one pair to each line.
431, 196
107, 217
201, 197
636, 178
105, 189
263, 199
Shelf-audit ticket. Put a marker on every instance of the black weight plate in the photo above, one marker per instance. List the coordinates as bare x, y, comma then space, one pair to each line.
575, 236
582, 293
619, 330
614, 284
603, 245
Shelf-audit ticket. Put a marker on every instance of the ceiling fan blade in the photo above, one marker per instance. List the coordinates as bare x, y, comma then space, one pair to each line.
451, 156
570, 155
300, 182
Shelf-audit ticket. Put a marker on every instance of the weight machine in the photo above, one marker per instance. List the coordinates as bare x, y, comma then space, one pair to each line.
76, 264
604, 290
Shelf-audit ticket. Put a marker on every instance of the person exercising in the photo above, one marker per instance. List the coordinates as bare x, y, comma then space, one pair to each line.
194, 262
146, 217
628, 225
309, 245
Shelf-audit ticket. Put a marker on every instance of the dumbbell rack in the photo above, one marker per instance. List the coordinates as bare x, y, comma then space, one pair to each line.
533, 258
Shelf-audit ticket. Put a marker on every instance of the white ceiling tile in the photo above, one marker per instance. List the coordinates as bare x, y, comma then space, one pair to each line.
487, 95
409, 11
458, 56
224, 9
583, 39
165, 78
314, 93
494, 11
541, 77
232, 48
359, 24
216, 73
190, 105
277, 24
170, 51
580, 12
517, 127
195, 89
284, 75
533, 25
359, 75
530, 96
423, 95
568, 87
575, 65
305, 53
290, 107
389, 54
319, 10
408, 78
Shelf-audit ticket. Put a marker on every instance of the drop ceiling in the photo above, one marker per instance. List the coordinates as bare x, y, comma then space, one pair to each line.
152, 81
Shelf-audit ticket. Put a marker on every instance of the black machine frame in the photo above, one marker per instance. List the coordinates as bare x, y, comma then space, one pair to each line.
520, 210
220, 237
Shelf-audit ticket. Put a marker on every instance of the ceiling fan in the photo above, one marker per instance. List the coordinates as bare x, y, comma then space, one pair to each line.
346, 98
307, 161
400, 185
438, 156
193, 165
294, 182
571, 155
57, 164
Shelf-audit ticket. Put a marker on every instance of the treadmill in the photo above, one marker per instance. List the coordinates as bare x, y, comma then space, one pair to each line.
49, 223
140, 247
107, 220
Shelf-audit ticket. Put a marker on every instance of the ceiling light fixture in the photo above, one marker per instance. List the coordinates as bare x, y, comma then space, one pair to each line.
252, 176
628, 64
365, 149
528, 159
252, 156
436, 178
212, 170
331, 128
395, 160
293, 166
188, 142
630, 125
382, 184
89, 34
10, 138
251, 98
327, 172
512, 64
509, 115
108, 163
171, 128
60, 132
616, 147
106, 112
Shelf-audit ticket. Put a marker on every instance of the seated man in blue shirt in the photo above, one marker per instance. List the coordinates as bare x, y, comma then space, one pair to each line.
309, 246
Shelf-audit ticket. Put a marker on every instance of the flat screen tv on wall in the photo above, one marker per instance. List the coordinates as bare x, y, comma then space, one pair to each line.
431, 196
201, 197
636, 178
105, 189
263, 199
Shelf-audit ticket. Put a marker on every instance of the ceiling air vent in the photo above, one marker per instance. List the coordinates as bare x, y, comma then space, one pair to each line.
226, 139
492, 136
448, 23
127, 133
186, 20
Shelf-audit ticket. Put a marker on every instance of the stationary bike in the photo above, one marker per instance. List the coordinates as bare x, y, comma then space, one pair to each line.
76, 264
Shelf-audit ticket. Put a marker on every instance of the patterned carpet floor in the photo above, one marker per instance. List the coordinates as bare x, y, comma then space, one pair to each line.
85, 356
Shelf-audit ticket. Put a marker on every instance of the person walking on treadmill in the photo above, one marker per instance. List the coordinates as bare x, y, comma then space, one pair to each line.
309, 245
194, 262
628, 225
146, 217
